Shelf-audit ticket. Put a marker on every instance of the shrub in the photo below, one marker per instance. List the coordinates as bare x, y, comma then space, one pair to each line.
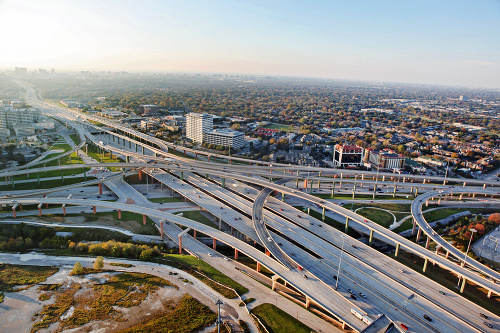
77, 269
99, 263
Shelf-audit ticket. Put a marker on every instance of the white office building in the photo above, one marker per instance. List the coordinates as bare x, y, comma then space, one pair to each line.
225, 137
197, 124
10, 116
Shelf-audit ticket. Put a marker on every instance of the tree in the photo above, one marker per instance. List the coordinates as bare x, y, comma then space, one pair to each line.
236, 127
495, 218
77, 269
99, 263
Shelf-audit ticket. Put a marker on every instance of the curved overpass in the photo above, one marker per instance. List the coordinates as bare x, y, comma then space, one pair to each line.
416, 211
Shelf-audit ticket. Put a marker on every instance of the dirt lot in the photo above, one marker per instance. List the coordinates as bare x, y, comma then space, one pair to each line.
19, 308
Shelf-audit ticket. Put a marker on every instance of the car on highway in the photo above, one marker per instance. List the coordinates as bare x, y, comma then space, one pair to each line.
362, 295
427, 317
226, 259
442, 293
483, 315
293, 254
354, 246
300, 268
210, 255
335, 277
353, 297
488, 324
404, 326
280, 244
269, 239
305, 276
350, 291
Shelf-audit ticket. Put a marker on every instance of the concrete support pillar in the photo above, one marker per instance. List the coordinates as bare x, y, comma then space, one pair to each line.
100, 188
297, 185
194, 234
383, 178
426, 261
214, 244
489, 293
14, 212
439, 201
414, 228
182, 175
268, 253
93, 209
144, 219
346, 225
419, 233
305, 184
283, 196
274, 278
427, 242
427, 203
438, 247
464, 280
464, 184
39, 209
140, 174
223, 182
473, 195
46, 205
343, 325
142, 150
258, 267
397, 250
370, 241
323, 215
447, 254
424, 181
395, 189
180, 245
235, 254
64, 209
308, 302
196, 155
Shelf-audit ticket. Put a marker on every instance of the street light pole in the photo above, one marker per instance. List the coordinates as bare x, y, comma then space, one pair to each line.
219, 303
340, 261
467, 252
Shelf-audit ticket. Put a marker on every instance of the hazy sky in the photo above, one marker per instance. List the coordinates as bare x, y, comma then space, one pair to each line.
448, 42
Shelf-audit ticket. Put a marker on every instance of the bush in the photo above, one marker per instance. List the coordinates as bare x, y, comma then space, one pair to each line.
99, 263
77, 269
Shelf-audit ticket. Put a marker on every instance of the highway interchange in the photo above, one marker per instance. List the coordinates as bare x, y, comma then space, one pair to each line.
299, 244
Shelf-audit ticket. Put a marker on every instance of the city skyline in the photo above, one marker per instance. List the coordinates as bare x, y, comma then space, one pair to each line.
434, 43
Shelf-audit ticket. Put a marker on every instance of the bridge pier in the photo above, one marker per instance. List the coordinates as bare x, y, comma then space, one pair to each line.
395, 189
489, 294
182, 175
419, 233
93, 209
223, 182
100, 188
258, 267
425, 264
323, 215
370, 241
464, 280
235, 254
46, 205
397, 250
305, 184
180, 244
274, 278
119, 214
39, 209
283, 196
346, 225
214, 244
140, 174
308, 302
427, 242
414, 227
64, 209
297, 185
268, 253
194, 234
447, 254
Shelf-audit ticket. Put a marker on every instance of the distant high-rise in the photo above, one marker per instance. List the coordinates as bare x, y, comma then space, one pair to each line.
347, 156
463, 98
197, 124
21, 70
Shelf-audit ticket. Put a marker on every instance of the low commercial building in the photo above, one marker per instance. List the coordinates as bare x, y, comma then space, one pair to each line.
347, 156
225, 138
384, 160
